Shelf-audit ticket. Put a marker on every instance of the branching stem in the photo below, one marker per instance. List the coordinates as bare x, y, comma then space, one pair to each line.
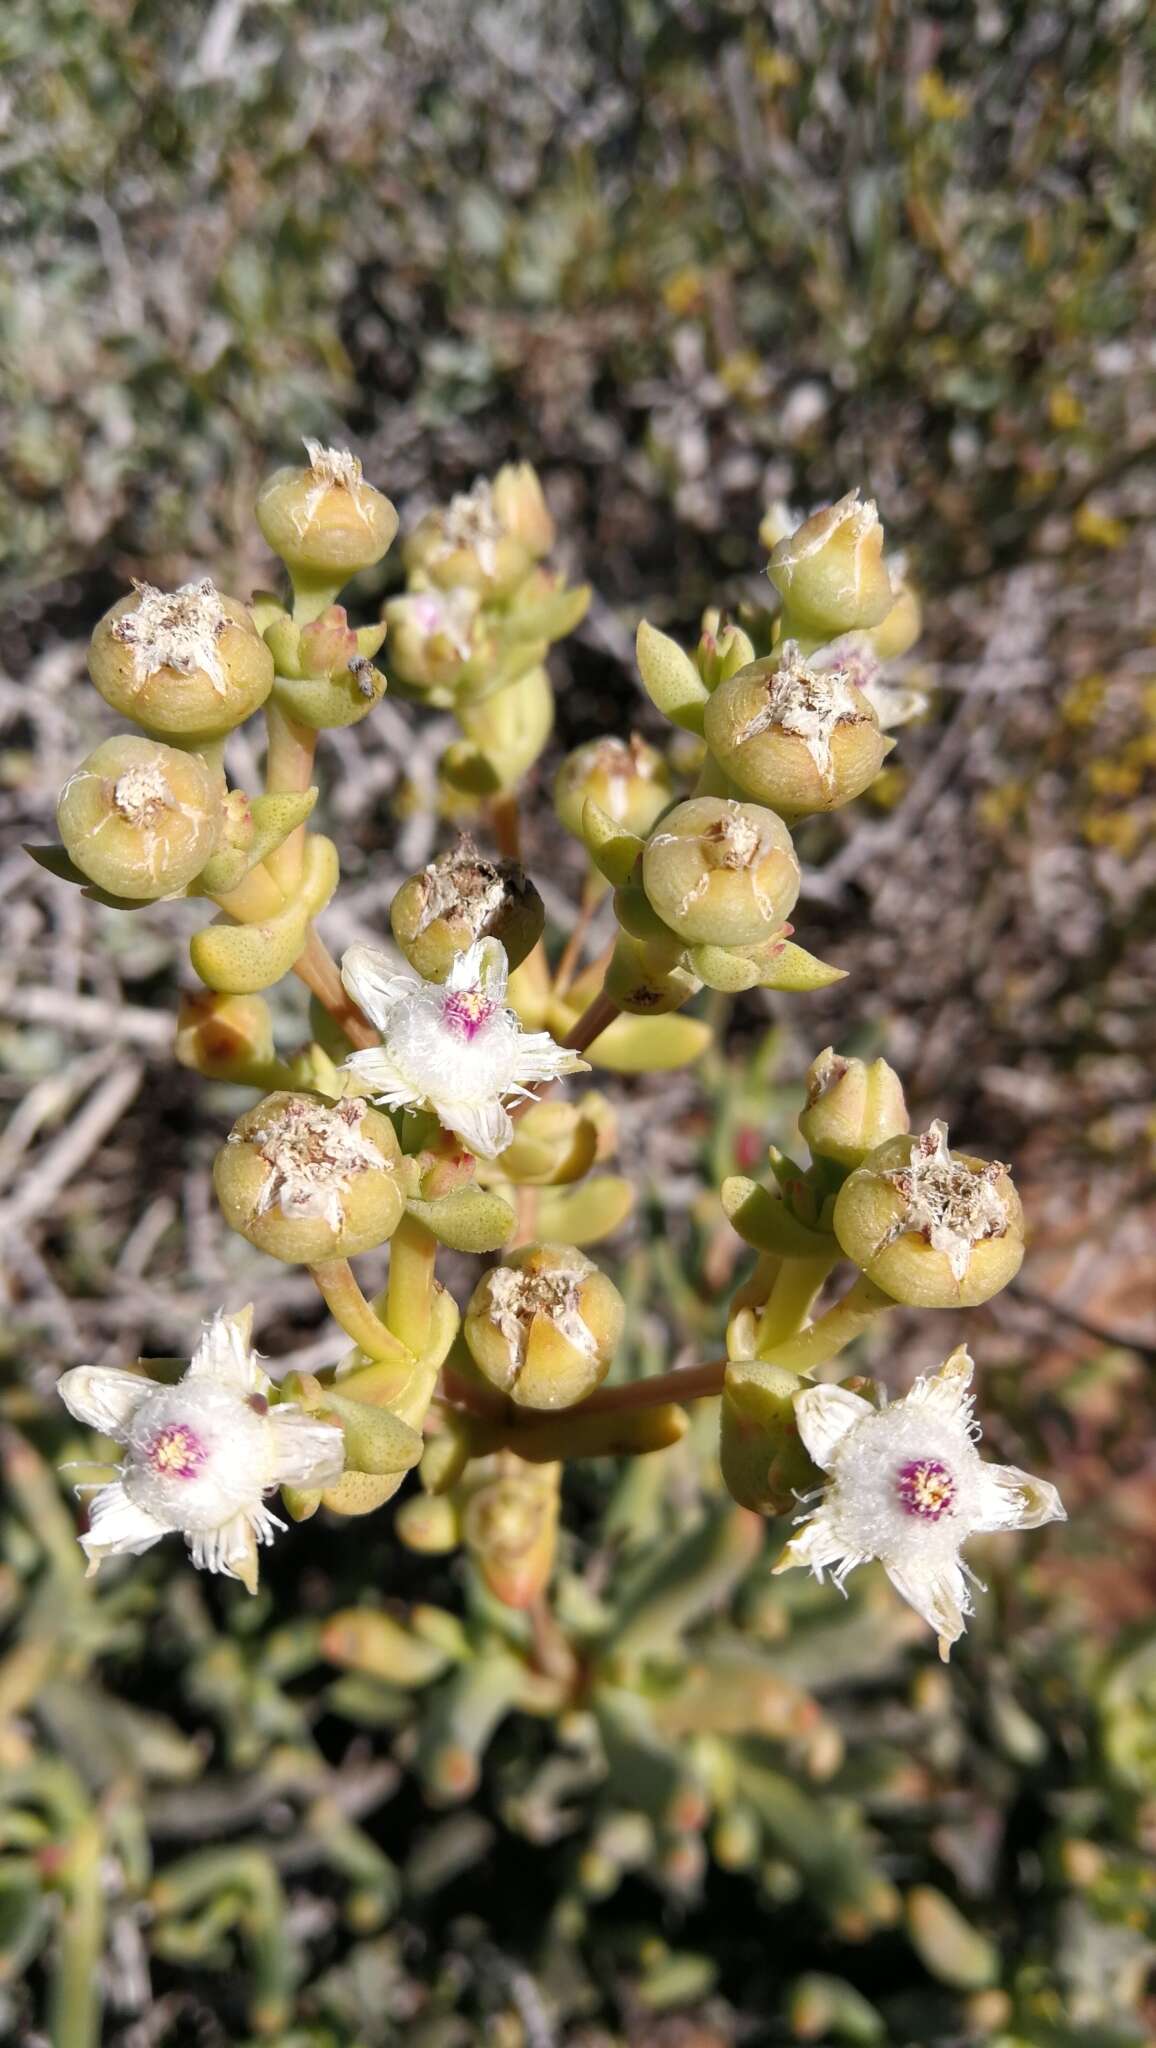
348, 1306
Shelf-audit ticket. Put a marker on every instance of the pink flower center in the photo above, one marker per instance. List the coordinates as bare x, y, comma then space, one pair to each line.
926, 1488
466, 1011
176, 1452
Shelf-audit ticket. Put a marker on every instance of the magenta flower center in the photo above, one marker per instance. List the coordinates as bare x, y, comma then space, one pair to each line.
466, 1011
926, 1488
176, 1452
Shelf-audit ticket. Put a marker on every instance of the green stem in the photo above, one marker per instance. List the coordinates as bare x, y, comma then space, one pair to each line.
317, 968
409, 1301
288, 770
74, 2005
506, 824
312, 595
255, 899
595, 1019
822, 1342
795, 1286
348, 1306
825, 1339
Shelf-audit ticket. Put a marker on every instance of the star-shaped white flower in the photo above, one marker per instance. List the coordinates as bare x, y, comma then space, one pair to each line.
907, 1486
453, 1047
200, 1456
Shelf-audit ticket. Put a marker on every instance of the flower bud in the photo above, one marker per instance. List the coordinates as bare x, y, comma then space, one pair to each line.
225, 1037
723, 649
898, 632
305, 1179
554, 1143
433, 635
460, 898
467, 543
794, 737
325, 520
830, 572
647, 979
187, 663
520, 504
328, 643
626, 778
544, 1325
510, 1528
933, 1228
140, 819
851, 1108
721, 873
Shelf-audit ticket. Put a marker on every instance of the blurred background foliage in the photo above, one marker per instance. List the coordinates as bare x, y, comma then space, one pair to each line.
685, 258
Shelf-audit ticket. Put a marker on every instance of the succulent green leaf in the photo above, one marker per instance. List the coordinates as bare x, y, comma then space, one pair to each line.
723, 967
274, 818
764, 1221
376, 1440
586, 1213
614, 851
670, 678
470, 1220
797, 971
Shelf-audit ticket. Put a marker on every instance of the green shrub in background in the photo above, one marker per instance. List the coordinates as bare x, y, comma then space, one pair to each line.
696, 255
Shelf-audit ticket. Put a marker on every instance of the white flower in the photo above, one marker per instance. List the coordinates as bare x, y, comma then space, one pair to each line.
199, 1456
907, 1486
452, 1047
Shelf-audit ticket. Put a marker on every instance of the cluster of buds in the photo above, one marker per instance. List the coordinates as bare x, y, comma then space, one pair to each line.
473, 629
704, 887
149, 814
421, 1116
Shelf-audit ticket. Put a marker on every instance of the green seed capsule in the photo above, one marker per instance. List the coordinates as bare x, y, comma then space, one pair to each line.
187, 663
932, 1228
139, 818
325, 520
460, 898
721, 873
793, 736
627, 779
305, 1179
544, 1325
830, 572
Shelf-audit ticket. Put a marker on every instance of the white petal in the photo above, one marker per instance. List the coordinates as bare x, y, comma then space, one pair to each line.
305, 1452
384, 1078
824, 1415
948, 1391
484, 1126
817, 1547
482, 966
104, 1396
939, 1594
232, 1548
225, 1355
1010, 1499
373, 983
116, 1524
541, 1058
